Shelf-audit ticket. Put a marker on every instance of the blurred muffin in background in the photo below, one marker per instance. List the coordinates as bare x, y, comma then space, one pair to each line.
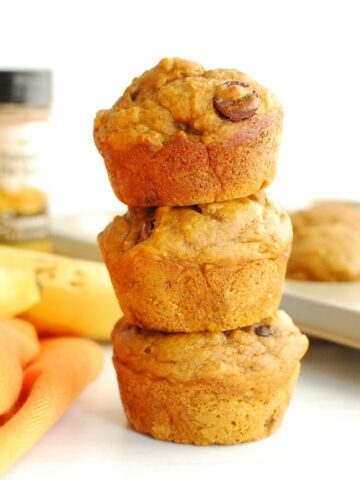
326, 245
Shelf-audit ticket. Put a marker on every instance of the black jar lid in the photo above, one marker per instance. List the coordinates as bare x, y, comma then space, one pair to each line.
28, 87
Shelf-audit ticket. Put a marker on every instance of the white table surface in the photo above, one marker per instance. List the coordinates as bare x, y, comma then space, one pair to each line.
319, 434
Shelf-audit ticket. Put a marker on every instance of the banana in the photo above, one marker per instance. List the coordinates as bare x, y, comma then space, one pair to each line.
19, 290
76, 295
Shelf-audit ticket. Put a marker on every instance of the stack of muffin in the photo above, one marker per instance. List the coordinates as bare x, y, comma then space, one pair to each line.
198, 262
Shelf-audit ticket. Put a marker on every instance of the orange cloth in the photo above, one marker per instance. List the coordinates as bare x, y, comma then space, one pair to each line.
38, 382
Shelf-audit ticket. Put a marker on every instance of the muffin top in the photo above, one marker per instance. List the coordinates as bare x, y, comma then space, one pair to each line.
261, 356
242, 230
178, 97
326, 242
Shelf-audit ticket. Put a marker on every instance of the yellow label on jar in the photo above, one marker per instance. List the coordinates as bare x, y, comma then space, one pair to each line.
23, 205
16, 228
22, 149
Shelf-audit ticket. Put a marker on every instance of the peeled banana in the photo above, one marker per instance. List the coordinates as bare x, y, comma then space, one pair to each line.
19, 290
76, 295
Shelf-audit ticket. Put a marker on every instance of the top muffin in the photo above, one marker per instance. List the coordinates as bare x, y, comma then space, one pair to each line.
181, 135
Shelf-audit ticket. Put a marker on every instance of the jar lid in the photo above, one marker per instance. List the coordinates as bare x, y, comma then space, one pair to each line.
29, 87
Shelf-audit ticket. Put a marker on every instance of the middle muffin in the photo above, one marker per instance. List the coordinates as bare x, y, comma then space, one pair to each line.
218, 266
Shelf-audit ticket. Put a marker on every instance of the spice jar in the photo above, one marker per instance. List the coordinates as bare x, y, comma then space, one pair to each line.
25, 100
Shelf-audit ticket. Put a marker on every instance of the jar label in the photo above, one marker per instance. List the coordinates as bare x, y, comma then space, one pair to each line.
21, 149
16, 228
23, 203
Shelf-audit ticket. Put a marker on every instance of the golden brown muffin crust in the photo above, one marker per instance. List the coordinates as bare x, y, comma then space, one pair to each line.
208, 388
257, 358
207, 267
198, 413
242, 230
326, 242
180, 96
182, 135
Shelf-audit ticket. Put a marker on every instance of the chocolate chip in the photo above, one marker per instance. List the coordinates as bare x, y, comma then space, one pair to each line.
134, 95
262, 330
146, 229
153, 198
230, 107
196, 208
236, 82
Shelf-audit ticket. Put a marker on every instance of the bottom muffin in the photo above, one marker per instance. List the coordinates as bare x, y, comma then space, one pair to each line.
212, 387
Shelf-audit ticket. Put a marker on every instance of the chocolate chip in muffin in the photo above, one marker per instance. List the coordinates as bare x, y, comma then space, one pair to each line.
146, 229
196, 208
228, 333
152, 198
262, 330
236, 101
134, 95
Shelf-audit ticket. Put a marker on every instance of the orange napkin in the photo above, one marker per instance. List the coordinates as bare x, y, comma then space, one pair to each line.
38, 382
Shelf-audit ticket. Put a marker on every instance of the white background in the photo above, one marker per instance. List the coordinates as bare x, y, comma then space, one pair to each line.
307, 52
